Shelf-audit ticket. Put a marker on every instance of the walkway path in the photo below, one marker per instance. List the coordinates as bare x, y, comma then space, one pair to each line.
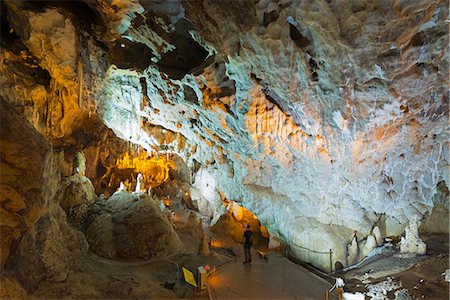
273, 278
276, 278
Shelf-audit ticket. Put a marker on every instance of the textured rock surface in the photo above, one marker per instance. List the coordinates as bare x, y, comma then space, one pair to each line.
29, 178
49, 73
76, 195
131, 226
411, 243
37, 243
47, 250
321, 117
10, 288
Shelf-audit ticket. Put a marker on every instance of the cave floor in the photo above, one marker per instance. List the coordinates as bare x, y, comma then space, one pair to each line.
273, 278
269, 277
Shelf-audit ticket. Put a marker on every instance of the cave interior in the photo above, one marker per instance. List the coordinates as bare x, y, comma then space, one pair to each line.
139, 138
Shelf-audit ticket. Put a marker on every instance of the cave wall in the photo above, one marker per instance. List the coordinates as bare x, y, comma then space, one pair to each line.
321, 117
37, 242
30, 177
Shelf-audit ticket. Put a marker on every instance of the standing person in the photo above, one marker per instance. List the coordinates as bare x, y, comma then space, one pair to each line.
248, 241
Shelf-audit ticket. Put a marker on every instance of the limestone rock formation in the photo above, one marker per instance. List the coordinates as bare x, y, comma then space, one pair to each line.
411, 243
37, 243
47, 250
438, 220
131, 226
76, 190
337, 112
369, 245
75, 196
29, 178
352, 252
377, 234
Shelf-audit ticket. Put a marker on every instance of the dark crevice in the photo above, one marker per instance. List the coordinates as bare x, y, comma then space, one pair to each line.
229, 111
190, 95
270, 95
78, 11
270, 17
8, 37
187, 56
301, 41
28, 65
143, 82
130, 55
273, 99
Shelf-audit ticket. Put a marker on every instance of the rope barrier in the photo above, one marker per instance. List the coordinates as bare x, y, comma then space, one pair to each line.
307, 250
315, 251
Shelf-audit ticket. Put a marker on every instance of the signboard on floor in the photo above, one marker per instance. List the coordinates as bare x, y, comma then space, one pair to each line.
189, 277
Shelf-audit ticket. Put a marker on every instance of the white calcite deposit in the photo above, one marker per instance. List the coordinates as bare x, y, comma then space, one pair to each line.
411, 243
380, 290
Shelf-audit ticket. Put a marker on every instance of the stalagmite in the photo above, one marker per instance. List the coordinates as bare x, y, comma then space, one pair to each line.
121, 187
80, 164
369, 245
352, 252
204, 248
377, 234
138, 183
411, 244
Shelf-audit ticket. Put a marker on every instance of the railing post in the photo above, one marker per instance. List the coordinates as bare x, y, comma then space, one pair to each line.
331, 261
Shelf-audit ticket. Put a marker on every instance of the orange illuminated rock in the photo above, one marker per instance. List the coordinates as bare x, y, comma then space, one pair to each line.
154, 170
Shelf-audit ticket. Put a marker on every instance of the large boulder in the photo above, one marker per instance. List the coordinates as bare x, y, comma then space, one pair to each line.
131, 226
47, 250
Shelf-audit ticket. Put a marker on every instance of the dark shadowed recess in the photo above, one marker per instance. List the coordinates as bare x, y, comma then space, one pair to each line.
77, 10
28, 66
130, 55
186, 56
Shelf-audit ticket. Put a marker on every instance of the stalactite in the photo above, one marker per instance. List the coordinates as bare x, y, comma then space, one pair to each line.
49, 115
80, 83
61, 99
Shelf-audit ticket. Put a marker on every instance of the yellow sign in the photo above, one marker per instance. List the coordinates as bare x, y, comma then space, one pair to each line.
189, 277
